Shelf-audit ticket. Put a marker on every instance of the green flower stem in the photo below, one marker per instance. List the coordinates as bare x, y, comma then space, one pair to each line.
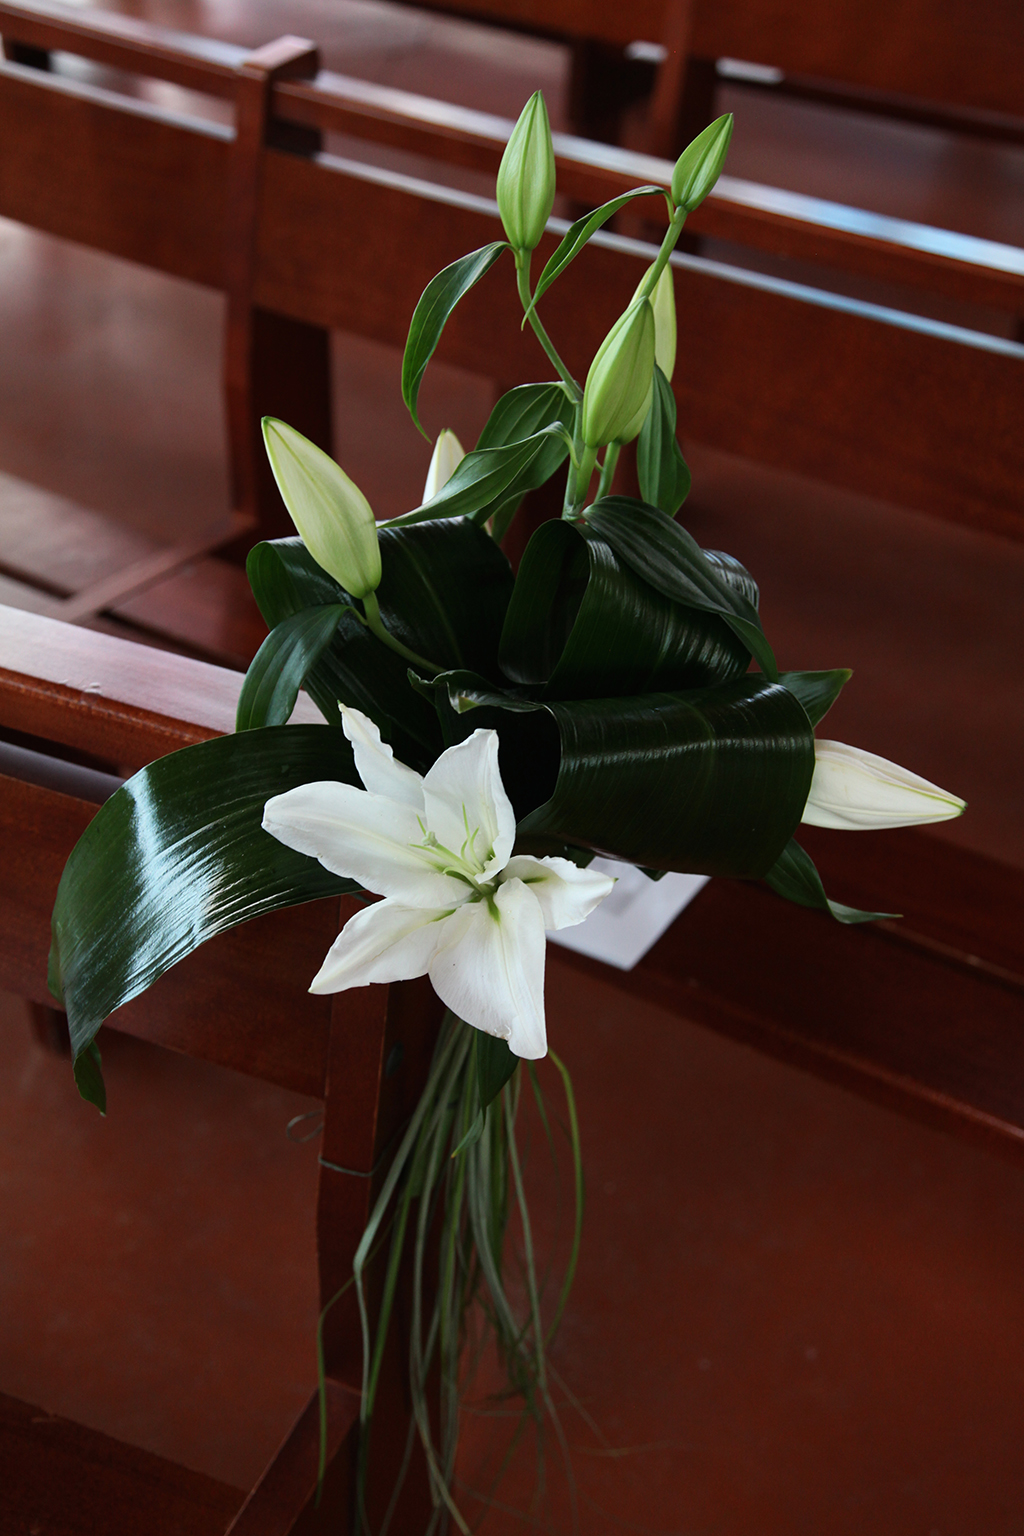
523, 281
588, 458
668, 245
611, 459
376, 626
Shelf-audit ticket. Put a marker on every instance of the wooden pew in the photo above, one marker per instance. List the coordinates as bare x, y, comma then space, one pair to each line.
241, 1002
923, 1016
887, 399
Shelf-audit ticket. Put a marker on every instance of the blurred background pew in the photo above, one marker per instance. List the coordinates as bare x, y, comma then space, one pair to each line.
837, 1286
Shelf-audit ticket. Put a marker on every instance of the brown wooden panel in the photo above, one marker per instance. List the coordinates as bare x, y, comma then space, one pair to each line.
198, 63
900, 411
60, 1478
949, 51
113, 174
910, 1031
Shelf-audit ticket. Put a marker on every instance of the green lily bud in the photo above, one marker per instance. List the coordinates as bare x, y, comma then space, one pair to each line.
526, 177
663, 302
448, 454
700, 164
618, 385
333, 517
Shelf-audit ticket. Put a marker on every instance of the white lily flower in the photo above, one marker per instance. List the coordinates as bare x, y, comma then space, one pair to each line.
857, 791
448, 454
457, 906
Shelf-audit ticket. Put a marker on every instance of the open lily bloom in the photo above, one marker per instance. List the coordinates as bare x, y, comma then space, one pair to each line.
857, 791
457, 906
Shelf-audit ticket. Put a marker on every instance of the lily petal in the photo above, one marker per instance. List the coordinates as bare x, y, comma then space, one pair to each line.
567, 894
364, 837
376, 763
489, 968
855, 791
463, 794
385, 942
448, 454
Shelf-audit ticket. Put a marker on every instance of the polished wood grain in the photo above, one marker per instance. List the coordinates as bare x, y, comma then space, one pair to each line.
42, 1455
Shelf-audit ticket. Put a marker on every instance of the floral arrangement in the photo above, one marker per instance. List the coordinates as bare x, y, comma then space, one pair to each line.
486, 734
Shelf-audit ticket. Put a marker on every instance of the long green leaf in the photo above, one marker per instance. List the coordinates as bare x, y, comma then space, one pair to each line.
664, 473
817, 691
176, 856
584, 624
522, 411
577, 235
488, 476
665, 555
282, 664
495, 1064
794, 876
436, 303
708, 781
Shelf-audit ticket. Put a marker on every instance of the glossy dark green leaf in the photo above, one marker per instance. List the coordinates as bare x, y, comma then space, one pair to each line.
495, 1064
486, 477
282, 663
664, 473
666, 556
710, 781
734, 574
817, 691
443, 593
178, 855
794, 876
88, 1071
584, 624
577, 235
436, 303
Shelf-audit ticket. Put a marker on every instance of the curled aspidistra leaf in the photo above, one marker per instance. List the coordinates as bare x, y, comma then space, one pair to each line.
581, 623
667, 557
430, 316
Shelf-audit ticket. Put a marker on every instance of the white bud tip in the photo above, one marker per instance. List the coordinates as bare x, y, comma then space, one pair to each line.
856, 791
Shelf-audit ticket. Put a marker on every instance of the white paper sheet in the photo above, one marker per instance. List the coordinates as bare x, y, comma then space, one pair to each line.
633, 917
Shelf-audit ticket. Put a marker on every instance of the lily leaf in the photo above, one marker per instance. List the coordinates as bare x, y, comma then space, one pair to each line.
577, 235
794, 876
522, 411
282, 664
583, 623
489, 476
708, 781
664, 473
667, 557
817, 691
176, 856
436, 303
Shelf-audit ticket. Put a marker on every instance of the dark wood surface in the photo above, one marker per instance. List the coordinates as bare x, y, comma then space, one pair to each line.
118, 1489
241, 1001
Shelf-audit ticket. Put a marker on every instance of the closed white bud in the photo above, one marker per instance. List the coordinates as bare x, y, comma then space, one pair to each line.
526, 177
333, 517
857, 791
617, 392
663, 302
444, 461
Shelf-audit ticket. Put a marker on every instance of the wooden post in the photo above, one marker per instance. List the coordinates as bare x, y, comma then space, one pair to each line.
273, 365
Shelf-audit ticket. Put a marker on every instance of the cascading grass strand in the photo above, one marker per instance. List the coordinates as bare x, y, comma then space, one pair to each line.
464, 1191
